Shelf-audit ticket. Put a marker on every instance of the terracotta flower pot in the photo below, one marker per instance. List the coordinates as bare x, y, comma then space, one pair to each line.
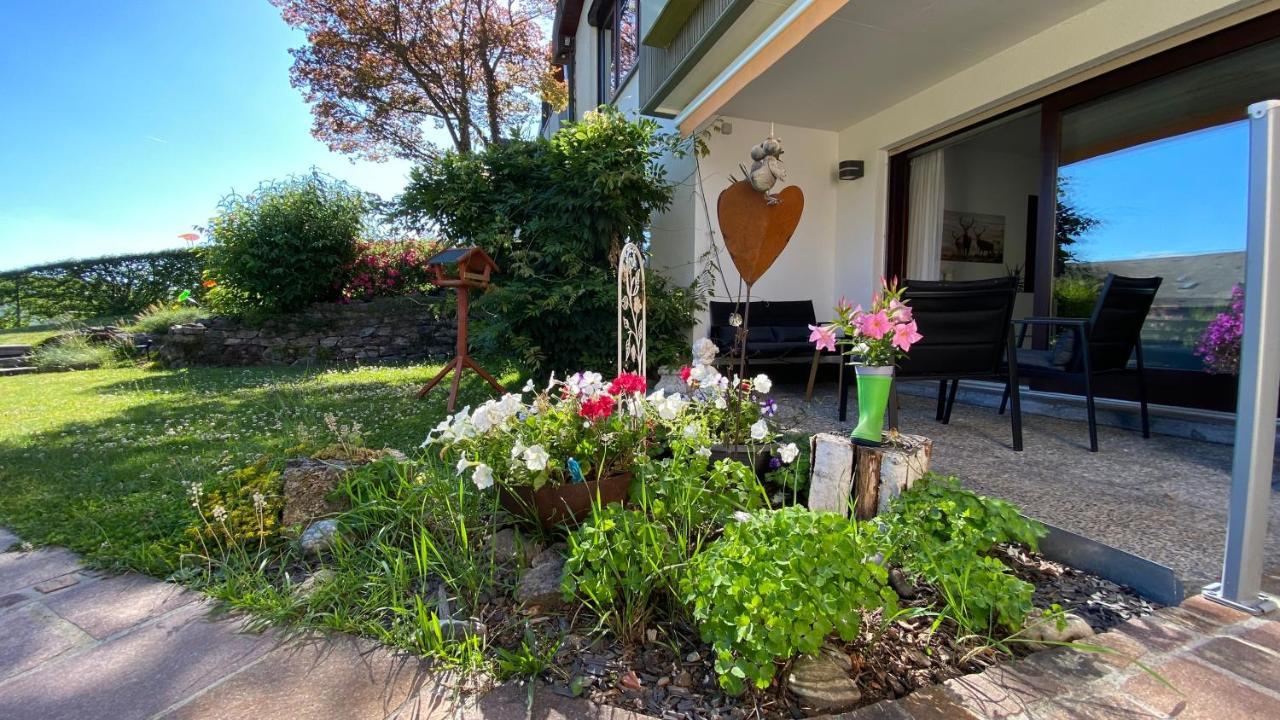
564, 504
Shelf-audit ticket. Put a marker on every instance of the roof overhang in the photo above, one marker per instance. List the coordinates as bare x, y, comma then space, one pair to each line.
564, 28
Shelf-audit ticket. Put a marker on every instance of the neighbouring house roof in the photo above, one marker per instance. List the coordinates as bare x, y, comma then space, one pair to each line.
1189, 280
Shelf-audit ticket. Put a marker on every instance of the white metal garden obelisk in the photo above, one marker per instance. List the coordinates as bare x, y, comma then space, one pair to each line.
1255, 441
631, 311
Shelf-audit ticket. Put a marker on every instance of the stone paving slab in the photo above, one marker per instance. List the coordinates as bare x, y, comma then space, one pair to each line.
114, 604
32, 634
137, 675
321, 678
19, 570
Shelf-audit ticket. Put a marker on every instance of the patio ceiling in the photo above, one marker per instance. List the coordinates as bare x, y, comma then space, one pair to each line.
871, 55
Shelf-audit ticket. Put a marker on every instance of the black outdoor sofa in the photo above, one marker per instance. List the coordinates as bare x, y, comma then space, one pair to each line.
778, 332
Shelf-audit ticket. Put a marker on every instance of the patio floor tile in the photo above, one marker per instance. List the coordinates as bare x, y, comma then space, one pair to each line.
1245, 660
117, 603
1206, 693
340, 678
20, 570
1103, 707
134, 676
1267, 635
1163, 636
31, 635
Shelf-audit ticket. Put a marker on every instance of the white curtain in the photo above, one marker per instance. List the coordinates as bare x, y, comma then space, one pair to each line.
928, 194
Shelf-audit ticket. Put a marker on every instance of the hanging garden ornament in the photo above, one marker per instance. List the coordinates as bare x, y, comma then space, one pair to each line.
757, 225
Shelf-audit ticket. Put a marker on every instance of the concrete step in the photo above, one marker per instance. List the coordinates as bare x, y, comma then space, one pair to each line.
17, 361
14, 350
17, 371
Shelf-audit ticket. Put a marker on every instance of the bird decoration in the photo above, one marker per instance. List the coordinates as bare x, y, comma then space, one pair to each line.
767, 169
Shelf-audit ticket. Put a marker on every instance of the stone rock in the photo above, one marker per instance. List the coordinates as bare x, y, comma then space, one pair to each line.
508, 546
460, 630
319, 537
307, 587
901, 584
307, 483
1039, 630
540, 585
825, 682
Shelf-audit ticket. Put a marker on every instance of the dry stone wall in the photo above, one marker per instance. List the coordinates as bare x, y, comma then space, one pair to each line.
383, 330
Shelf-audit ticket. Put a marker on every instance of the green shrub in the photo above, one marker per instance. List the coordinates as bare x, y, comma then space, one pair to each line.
284, 246
73, 352
941, 532
554, 215
1075, 294
777, 585
157, 318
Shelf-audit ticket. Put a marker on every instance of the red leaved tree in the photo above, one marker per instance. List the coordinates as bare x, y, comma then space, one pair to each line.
377, 73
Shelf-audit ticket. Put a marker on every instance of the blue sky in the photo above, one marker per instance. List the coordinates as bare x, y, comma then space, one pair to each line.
124, 122
1178, 196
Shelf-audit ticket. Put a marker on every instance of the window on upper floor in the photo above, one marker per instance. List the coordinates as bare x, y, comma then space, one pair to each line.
618, 24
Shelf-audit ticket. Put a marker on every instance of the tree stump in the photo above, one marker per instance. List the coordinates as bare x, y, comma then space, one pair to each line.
830, 473
883, 473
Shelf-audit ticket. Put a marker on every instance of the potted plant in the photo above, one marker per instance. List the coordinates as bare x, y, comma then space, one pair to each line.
552, 453
728, 414
875, 339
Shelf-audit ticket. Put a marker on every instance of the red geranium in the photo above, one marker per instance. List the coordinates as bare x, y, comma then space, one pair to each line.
627, 383
684, 373
597, 408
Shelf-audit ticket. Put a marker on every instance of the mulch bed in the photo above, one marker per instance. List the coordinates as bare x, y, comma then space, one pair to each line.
672, 675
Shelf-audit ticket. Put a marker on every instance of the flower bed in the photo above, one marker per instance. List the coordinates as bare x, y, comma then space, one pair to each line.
703, 591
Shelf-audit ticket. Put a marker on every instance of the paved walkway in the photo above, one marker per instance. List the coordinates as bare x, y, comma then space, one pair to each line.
80, 645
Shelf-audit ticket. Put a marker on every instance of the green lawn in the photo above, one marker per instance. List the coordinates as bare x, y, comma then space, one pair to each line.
97, 460
26, 337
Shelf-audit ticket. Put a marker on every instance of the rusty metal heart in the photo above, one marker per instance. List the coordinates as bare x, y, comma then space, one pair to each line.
755, 232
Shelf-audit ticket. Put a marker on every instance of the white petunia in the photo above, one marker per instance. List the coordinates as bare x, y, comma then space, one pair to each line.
482, 476
691, 431
517, 450
704, 375
535, 458
762, 383
788, 453
463, 464
528, 386
759, 430
703, 451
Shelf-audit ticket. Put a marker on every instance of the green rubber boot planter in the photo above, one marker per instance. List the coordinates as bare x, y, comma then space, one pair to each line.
873, 397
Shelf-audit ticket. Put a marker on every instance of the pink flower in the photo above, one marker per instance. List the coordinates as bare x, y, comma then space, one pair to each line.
905, 335
874, 325
823, 336
899, 311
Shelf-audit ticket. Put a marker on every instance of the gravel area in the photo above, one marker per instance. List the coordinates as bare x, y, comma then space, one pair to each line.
1162, 498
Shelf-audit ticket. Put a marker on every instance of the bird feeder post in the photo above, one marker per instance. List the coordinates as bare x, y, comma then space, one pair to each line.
474, 267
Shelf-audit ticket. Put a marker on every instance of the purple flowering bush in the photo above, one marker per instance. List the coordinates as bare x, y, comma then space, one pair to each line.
1219, 344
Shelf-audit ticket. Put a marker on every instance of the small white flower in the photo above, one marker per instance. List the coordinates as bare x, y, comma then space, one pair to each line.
762, 383
788, 453
482, 476
463, 464
535, 458
517, 450
219, 513
259, 501
703, 451
528, 386
759, 430
691, 431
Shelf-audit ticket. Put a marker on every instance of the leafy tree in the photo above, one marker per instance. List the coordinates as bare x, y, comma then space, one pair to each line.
378, 72
554, 215
286, 245
1070, 224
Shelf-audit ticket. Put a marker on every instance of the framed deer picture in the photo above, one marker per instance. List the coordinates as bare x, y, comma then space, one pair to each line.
972, 237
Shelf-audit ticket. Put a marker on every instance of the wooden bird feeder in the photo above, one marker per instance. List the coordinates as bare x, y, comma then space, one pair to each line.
463, 269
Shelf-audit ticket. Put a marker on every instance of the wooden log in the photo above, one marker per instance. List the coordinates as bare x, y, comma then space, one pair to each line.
883, 473
830, 473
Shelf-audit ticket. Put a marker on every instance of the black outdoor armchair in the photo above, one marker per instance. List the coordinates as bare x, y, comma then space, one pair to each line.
966, 336
1101, 343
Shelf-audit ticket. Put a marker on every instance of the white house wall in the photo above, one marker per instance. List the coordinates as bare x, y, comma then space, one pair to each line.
1100, 34
803, 271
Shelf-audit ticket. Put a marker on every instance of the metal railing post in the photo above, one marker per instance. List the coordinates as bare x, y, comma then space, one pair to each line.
1255, 438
